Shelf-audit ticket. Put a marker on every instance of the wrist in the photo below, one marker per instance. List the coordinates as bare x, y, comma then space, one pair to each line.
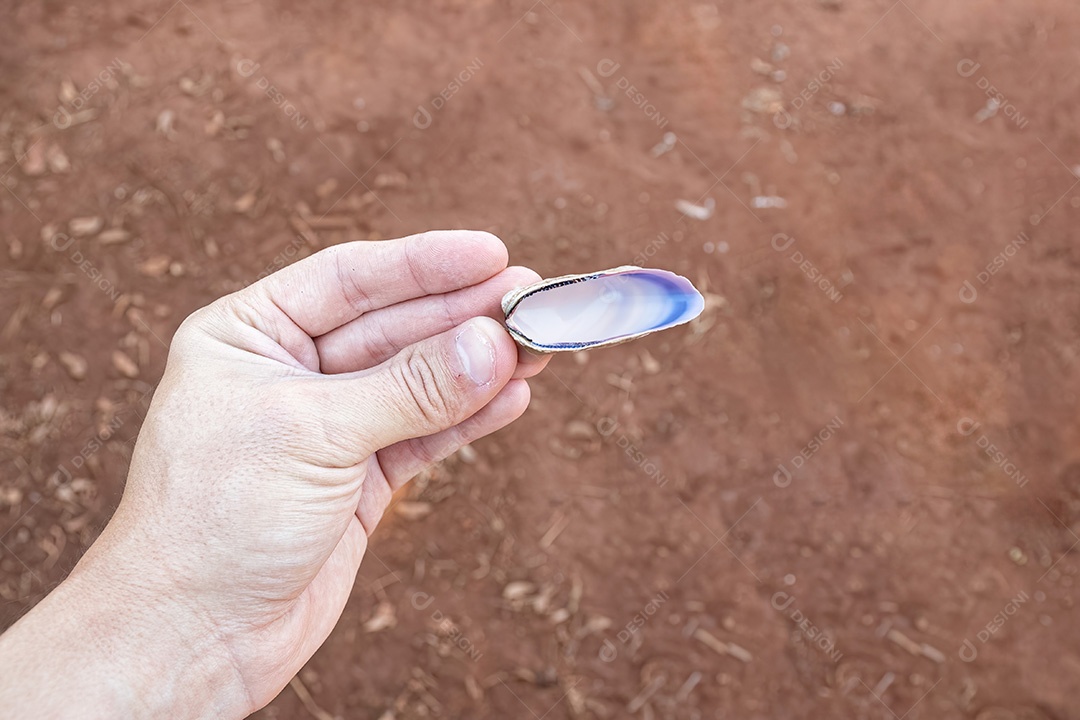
101, 645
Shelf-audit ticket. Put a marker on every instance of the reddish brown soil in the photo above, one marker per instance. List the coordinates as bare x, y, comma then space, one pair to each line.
899, 538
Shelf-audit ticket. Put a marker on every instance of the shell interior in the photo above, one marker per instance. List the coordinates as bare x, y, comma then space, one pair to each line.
582, 311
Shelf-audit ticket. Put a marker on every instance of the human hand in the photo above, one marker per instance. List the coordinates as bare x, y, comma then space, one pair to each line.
288, 414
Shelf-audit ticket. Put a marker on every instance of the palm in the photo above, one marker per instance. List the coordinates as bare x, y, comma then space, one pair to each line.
297, 473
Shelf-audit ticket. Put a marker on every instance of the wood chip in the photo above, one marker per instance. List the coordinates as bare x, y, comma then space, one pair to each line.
651, 364
739, 653
518, 590
112, 236
125, 365
558, 524
904, 641
932, 653
155, 266
761, 67
764, 100
412, 510
580, 430
688, 687
67, 93
721, 647
14, 323
468, 454
307, 701
33, 160
165, 121
391, 180
559, 616
326, 188
214, 125
245, 202
472, 687
277, 150
57, 160
52, 298
383, 618
83, 226
646, 693
75, 365
577, 590
48, 231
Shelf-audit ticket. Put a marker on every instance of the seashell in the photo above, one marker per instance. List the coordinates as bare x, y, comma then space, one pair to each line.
577, 312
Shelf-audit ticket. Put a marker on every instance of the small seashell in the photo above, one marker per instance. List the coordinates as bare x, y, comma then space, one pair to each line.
576, 312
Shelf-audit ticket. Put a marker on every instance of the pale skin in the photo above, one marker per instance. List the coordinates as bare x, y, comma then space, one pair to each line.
288, 414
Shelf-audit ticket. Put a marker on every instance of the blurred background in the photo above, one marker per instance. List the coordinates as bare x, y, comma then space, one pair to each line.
850, 489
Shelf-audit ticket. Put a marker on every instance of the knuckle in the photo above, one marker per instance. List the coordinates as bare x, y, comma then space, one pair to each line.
355, 295
420, 384
191, 332
431, 450
375, 498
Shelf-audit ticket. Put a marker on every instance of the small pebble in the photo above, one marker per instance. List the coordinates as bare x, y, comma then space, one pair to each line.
468, 454
75, 365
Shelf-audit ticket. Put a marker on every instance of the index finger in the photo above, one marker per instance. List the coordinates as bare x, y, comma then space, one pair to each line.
342, 282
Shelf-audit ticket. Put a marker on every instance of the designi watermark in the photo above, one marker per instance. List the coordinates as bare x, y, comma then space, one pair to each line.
423, 117
782, 118
607, 68
996, 100
422, 601
609, 650
781, 243
247, 68
63, 117
782, 476
783, 602
61, 242
91, 448
968, 426
969, 293
968, 650
642, 257
607, 426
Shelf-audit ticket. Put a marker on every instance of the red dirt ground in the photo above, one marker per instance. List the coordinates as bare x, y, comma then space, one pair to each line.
928, 525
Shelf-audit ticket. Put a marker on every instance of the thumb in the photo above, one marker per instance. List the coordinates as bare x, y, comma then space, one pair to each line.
429, 386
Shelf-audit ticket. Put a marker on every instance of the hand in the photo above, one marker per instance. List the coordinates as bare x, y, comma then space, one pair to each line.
288, 414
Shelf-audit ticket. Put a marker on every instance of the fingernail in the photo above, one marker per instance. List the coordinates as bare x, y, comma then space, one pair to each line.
476, 351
